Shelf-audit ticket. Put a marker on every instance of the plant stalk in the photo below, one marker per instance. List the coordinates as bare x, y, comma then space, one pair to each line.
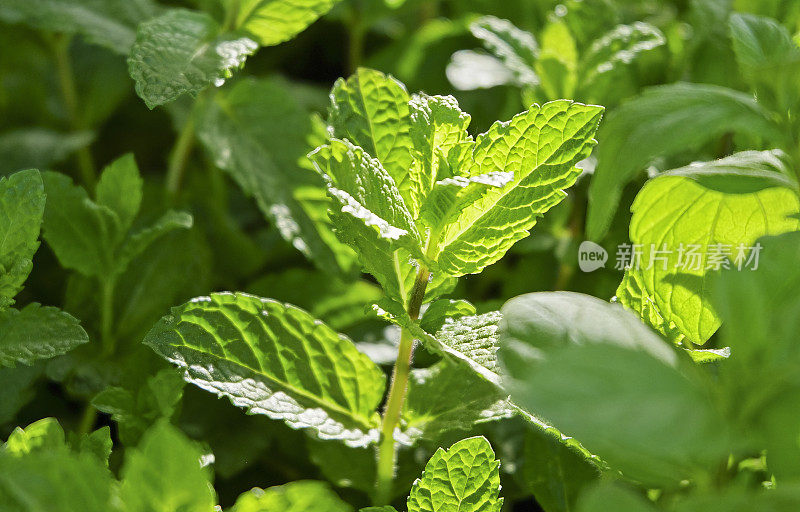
107, 316
387, 450
66, 79
179, 157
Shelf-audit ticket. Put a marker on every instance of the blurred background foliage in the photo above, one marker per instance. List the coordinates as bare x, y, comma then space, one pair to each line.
69, 105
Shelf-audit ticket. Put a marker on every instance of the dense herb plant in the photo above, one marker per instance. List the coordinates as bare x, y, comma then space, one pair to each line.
382, 372
421, 202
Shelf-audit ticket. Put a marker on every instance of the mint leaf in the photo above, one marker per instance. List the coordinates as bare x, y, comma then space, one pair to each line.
665, 120
632, 294
272, 22
141, 240
97, 443
38, 147
371, 110
619, 47
609, 496
164, 473
120, 189
109, 23
81, 233
466, 477
45, 435
370, 215
182, 52
448, 397
54, 480
768, 58
515, 48
274, 359
701, 206
760, 323
298, 496
92, 237
133, 412
438, 312
556, 470
541, 147
257, 133
37, 332
365, 192
579, 362
557, 66
22, 203
437, 125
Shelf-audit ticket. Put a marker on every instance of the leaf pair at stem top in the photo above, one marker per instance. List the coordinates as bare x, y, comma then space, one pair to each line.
409, 182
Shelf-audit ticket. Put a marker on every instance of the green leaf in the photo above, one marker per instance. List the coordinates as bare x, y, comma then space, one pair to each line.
768, 58
133, 412
619, 47
81, 233
182, 52
556, 471
109, 23
164, 474
515, 48
597, 373
298, 496
370, 215
38, 147
448, 397
760, 311
37, 332
738, 499
632, 294
257, 133
272, 22
557, 66
665, 120
371, 110
466, 478
437, 125
120, 189
274, 359
22, 203
541, 147
702, 207
97, 443
365, 191
141, 240
45, 435
439, 311
55, 481
610, 496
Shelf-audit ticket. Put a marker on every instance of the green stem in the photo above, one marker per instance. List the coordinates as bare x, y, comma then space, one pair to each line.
107, 316
66, 79
355, 47
387, 450
179, 157
88, 419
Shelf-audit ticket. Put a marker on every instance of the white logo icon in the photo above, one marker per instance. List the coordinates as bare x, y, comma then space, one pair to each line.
591, 256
